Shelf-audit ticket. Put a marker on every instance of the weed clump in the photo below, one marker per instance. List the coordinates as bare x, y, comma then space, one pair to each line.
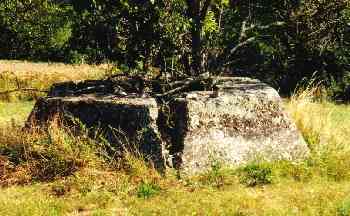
255, 174
146, 190
215, 175
42, 156
301, 171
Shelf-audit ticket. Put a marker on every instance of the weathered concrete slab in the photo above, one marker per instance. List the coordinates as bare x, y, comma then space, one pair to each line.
124, 122
243, 121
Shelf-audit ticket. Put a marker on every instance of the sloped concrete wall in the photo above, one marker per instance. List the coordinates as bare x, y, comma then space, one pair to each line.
244, 121
128, 124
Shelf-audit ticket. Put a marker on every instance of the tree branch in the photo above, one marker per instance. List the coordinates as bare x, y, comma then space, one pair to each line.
243, 32
243, 40
182, 85
264, 27
241, 44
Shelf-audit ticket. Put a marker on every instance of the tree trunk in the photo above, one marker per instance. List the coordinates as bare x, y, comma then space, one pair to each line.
197, 13
196, 46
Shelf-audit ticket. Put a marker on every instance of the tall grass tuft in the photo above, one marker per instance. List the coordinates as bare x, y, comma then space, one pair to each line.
42, 155
326, 130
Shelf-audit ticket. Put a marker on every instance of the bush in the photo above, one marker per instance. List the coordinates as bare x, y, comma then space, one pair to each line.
146, 190
74, 57
255, 174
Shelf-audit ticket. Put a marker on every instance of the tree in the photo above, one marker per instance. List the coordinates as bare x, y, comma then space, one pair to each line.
197, 11
278, 41
33, 29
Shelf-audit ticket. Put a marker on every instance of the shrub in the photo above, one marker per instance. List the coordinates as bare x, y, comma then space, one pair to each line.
146, 190
74, 57
255, 174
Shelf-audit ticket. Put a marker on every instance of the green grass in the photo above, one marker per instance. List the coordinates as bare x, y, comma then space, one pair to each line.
65, 174
15, 112
29, 200
282, 198
38, 200
318, 186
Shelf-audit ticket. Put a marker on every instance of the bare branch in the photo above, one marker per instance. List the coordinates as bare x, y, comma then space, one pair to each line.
244, 28
264, 27
182, 85
242, 44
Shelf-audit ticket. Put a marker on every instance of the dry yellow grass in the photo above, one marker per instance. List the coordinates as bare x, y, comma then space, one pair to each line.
322, 122
40, 76
326, 128
46, 72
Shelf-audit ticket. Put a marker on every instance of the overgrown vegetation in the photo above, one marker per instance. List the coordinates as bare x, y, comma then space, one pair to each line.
60, 173
281, 42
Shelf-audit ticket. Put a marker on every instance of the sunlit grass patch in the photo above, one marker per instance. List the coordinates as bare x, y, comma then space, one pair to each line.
42, 155
37, 200
326, 128
15, 112
284, 198
29, 200
42, 72
40, 76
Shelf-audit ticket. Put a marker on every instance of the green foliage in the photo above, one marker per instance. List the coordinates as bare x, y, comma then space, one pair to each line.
255, 174
210, 24
36, 29
344, 208
61, 37
74, 57
280, 42
146, 190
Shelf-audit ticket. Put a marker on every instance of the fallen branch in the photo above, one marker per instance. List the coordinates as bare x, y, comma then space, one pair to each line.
178, 89
182, 85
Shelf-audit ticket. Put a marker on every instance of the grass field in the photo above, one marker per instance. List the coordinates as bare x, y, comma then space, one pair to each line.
62, 174
40, 76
